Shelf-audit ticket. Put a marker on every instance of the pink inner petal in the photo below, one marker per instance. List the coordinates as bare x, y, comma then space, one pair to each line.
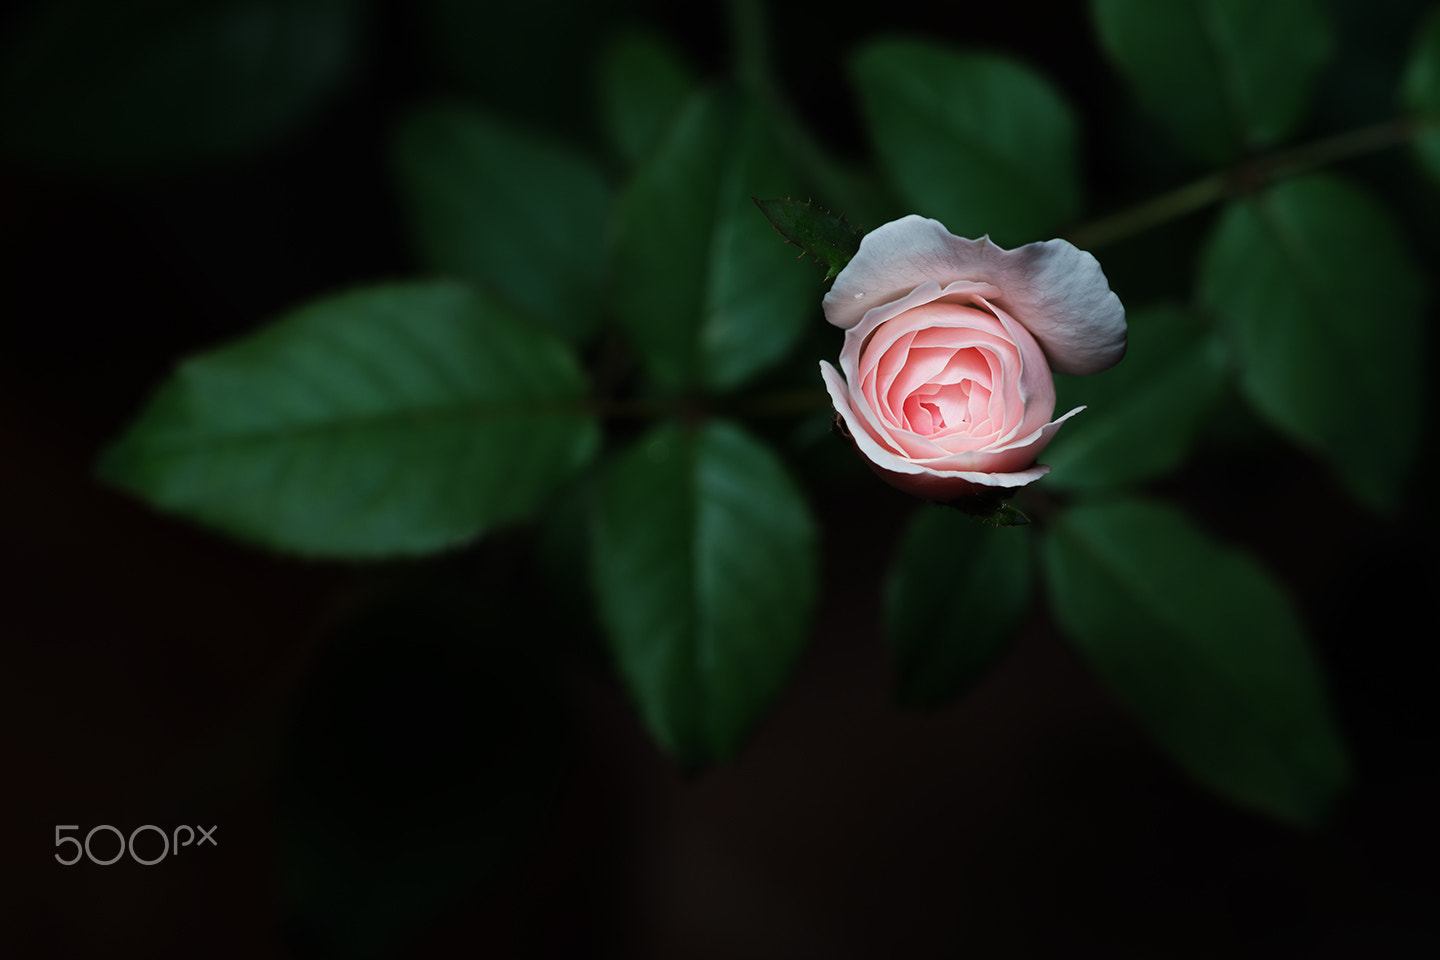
921, 365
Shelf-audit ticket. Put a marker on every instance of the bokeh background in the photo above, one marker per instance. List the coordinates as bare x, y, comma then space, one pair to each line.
390, 781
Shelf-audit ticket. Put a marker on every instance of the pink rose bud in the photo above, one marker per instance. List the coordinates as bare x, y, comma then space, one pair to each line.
949, 350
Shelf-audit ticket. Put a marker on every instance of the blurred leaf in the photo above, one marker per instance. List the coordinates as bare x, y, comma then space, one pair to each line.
978, 141
643, 85
828, 239
1333, 362
704, 564
388, 420
1143, 415
429, 744
518, 216
1223, 76
701, 293
1421, 92
533, 60
955, 597
1201, 643
160, 83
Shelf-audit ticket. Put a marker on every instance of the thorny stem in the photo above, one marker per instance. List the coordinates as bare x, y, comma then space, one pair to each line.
1244, 178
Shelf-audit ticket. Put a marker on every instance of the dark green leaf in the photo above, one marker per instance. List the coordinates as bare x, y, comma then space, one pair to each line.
955, 597
704, 565
534, 59
1421, 93
1335, 366
389, 420
1201, 643
156, 84
521, 217
699, 289
1143, 415
642, 88
1223, 76
978, 141
827, 238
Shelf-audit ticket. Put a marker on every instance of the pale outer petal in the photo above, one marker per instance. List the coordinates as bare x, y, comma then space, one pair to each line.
1057, 291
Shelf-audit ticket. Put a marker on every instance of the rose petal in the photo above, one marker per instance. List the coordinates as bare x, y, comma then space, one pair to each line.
1056, 291
946, 481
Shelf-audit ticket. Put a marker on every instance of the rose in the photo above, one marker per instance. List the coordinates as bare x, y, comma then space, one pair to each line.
949, 348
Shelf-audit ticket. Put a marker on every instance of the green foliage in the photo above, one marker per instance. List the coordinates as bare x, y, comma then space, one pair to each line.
406, 419
159, 84
1223, 76
643, 85
1200, 642
978, 141
955, 595
704, 565
1421, 93
1145, 413
511, 212
533, 60
389, 420
706, 302
1334, 365
827, 238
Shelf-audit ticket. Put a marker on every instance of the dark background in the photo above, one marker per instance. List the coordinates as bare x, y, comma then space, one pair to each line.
401, 740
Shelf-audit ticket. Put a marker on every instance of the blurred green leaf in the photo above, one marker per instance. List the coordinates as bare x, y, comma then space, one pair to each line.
1421, 92
704, 563
827, 238
534, 60
389, 420
428, 744
955, 597
1201, 643
155, 84
1142, 415
519, 216
1335, 366
1222, 76
704, 298
643, 85
978, 141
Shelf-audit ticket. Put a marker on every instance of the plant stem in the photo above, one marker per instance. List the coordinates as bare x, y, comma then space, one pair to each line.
750, 42
1246, 177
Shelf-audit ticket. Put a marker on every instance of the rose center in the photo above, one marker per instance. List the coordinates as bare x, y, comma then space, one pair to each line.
947, 392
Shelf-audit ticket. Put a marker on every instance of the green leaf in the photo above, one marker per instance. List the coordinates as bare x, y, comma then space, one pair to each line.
704, 564
534, 60
1143, 415
1332, 360
1203, 646
704, 299
978, 141
1223, 76
827, 238
1420, 91
158, 84
643, 86
519, 216
389, 420
955, 597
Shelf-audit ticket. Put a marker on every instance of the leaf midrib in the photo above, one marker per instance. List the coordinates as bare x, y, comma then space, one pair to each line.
378, 422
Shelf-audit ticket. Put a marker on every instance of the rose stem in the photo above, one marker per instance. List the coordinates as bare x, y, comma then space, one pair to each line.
1244, 178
